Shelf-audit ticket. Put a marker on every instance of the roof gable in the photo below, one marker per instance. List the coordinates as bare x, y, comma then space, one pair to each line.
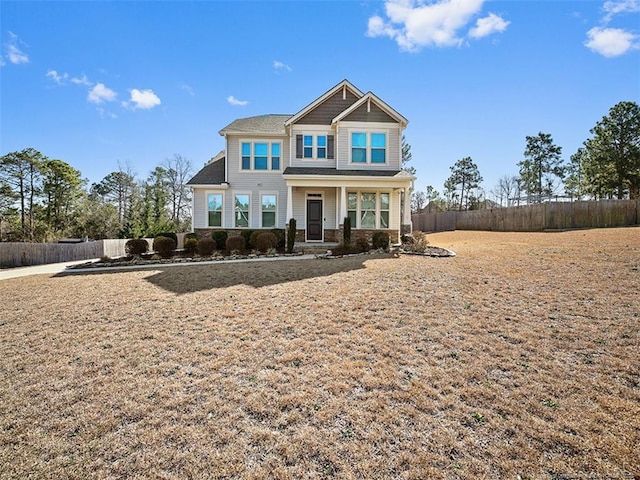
272, 124
344, 91
370, 108
213, 173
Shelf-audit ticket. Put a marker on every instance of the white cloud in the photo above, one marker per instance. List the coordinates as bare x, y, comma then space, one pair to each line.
611, 42
59, 79
14, 54
234, 101
488, 25
100, 94
144, 99
281, 66
81, 81
612, 8
414, 24
188, 89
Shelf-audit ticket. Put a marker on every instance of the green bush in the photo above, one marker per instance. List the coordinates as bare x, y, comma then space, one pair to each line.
347, 230
381, 240
235, 243
220, 237
170, 235
362, 246
164, 246
191, 245
136, 246
265, 241
246, 234
206, 246
291, 235
191, 235
253, 239
280, 238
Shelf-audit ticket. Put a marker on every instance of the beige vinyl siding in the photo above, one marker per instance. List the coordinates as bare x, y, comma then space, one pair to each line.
199, 208
255, 182
344, 145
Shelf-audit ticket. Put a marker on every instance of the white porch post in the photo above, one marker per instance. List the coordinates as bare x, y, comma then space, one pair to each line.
343, 204
407, 206
289, 204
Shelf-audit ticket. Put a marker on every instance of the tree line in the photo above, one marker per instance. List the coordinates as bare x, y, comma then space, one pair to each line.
606, 166
43, 199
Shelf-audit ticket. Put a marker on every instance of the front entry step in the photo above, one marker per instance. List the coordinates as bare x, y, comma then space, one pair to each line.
314, 247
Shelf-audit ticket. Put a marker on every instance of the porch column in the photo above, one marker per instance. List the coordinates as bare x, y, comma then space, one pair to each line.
343, 204
289, 204
407, 207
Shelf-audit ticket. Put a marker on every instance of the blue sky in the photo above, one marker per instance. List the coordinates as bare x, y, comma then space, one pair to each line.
98, 84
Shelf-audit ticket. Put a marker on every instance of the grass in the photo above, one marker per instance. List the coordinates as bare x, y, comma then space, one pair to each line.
518, 357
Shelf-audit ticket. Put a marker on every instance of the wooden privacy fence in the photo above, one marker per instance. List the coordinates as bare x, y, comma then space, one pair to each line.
535, 218
24, 254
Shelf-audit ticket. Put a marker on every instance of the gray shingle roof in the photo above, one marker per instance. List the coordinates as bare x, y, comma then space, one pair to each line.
333, 171
272, 124
211, 174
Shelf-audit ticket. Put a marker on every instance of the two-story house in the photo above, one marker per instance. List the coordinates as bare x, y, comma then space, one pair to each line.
338, 157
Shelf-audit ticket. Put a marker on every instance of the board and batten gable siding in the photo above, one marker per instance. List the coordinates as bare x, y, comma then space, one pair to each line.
255, 182
310, 130
333, 106
343, 145
373, 114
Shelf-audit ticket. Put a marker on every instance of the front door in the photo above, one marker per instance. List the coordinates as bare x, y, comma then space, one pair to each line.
314, 220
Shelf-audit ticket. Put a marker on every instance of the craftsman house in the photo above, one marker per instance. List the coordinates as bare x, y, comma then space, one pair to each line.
338, 157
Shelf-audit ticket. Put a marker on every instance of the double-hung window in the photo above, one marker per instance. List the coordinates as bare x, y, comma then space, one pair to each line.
308, 146
269, 205
260, 156
315, 147
368, 210
214, 210
368, 147
242, 202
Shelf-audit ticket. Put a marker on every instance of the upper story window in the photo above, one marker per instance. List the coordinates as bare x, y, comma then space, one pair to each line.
368, 147
260, 156
315, 147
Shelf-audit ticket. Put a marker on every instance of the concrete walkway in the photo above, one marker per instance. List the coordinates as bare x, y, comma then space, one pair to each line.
57, 268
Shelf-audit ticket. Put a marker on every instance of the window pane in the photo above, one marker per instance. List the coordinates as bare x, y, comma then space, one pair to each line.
359, 155
246, 163
275, 163
268, 219
368, 201
269, 203
358, 139
242, 202
214, 202
246, 149
308, 152
368, 219
261, 163
275, 149
378, 155
384, 201
384, 219
378, 140
242, 219
215, 219
308, 141
352, 216
322, 152
352, 201
322, 140
242, 210
261, 149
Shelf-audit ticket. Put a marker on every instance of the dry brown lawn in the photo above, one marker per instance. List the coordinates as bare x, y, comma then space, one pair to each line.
519, 358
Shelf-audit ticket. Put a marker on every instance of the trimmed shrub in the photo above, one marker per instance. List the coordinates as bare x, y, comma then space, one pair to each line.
280, 238
265, 241
347, 231
190, 235
206, 246
362, 246
164, 246
417, 243
246, 234
252, 243
220, 237
191, 245
170, 235
381, 240
136, 246
235, 243
291, 235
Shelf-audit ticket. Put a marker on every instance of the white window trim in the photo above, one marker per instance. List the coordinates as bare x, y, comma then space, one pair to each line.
368, 146
314, 147
206, 209
269, 192
234, 209
378, 207
252, 160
